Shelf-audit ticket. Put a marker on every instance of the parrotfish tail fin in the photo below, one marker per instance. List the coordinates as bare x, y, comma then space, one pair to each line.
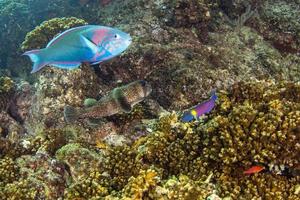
70, 114
37, 59
214, 96
187, 117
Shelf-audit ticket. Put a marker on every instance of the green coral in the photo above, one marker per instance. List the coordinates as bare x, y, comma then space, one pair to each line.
41, 35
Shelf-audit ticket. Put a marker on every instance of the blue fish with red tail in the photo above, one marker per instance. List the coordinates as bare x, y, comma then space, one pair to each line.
84, 44
200, 109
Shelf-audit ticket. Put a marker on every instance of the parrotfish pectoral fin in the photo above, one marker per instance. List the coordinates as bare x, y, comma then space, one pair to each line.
66, 65
187, 117
70, 114
37, 59
97, 62
88, 43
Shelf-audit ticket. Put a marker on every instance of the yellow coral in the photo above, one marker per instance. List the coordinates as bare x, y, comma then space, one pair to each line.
138, 187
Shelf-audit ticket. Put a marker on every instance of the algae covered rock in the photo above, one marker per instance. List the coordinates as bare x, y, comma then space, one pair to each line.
56, 88
80, 160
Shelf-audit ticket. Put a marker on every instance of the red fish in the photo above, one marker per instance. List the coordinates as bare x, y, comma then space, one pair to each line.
254, 169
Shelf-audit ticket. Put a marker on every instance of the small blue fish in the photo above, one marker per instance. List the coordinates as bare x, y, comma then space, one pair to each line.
200, 109
91, 44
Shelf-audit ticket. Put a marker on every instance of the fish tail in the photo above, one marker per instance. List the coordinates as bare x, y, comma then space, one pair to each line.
37, 58
214, 95
70, 114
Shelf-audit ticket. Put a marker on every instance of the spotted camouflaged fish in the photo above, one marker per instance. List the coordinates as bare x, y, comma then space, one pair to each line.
119, 100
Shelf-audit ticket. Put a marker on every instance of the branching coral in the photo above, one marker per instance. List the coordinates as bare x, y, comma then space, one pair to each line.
120, 164
254, 123
9, 171
88, 188
139, 187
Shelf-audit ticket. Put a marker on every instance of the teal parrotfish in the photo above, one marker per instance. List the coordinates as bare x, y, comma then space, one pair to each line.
120, 99
200, 109
84, 44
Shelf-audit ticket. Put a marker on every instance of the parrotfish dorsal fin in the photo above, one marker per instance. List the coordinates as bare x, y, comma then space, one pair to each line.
61, 35
89, 102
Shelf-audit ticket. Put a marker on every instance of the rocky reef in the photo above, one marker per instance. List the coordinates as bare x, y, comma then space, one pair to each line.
247, 50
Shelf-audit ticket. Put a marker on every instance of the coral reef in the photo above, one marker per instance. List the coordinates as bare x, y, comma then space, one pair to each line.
254, 122
197, 56
184, 49
40, 177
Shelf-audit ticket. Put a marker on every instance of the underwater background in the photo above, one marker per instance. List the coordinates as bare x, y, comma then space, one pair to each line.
246, 146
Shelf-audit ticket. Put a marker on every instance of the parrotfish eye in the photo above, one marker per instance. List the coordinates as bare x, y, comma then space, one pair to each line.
116, 36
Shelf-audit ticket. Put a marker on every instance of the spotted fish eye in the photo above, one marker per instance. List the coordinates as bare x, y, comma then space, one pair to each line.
116, 36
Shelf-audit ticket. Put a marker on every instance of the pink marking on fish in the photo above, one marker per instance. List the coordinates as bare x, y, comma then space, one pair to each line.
98, 35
